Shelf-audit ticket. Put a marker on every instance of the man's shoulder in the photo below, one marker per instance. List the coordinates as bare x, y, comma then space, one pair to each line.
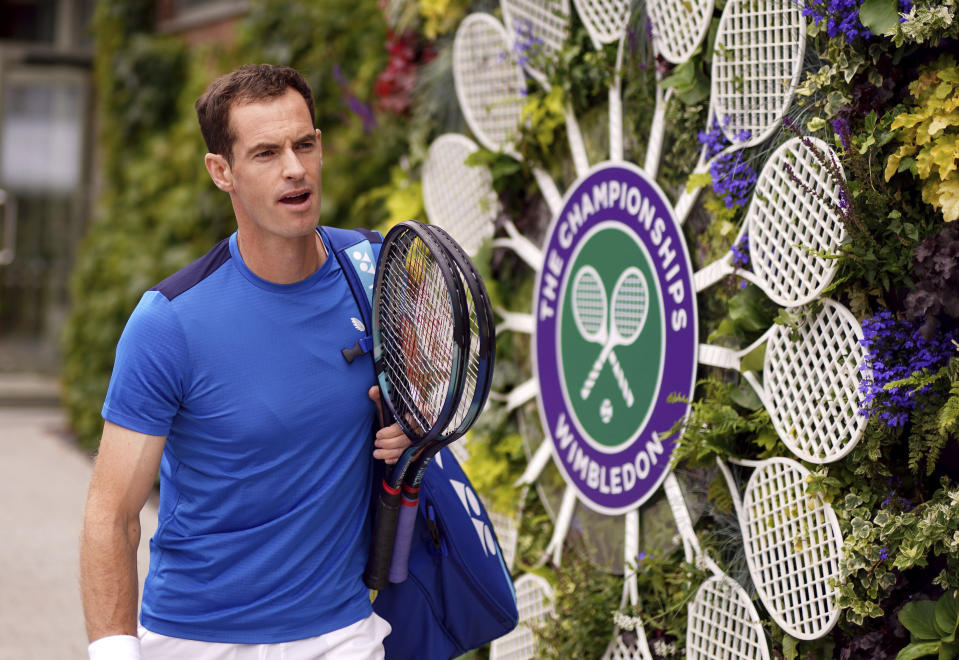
189, 276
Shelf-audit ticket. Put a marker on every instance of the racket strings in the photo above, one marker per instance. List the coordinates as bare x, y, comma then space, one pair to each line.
722, 623
792, 220
757, 64
489, 82
459, 197
630, 301
542, 23
589, 305
678, 26
791, 540
607, 17
814, 383
534, 597
465, 406
417, 325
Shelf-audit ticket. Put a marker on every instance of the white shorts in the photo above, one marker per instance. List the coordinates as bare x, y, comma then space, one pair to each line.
362, 640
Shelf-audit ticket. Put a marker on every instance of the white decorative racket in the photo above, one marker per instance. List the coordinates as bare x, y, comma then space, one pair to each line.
618, 325
723, 623
789, 225
756, 66
491, 89
460, 199
546, 21
630, 644
534, 600
811, 385
678, 27
793, 545
606, 21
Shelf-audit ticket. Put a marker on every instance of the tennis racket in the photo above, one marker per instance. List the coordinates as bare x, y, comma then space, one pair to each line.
477, 378
619, 325
811, 384
678, 27
793, 218
547, 22
723, 623
605, 22
460, 199
793, 545
757, 62
420, 346
491, 88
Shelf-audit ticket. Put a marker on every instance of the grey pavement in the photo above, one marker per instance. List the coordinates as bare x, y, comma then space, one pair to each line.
43, 484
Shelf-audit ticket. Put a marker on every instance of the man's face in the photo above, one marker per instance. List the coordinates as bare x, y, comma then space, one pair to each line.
275, 177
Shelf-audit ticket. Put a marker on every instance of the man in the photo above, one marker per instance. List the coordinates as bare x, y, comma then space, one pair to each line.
229, 379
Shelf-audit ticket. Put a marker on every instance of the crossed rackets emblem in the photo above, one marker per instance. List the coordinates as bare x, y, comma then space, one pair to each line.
610, 325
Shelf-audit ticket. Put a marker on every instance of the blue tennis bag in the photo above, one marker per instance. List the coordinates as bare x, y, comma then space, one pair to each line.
459, 594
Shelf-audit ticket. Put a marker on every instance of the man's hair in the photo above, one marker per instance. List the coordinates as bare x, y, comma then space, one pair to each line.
248, 84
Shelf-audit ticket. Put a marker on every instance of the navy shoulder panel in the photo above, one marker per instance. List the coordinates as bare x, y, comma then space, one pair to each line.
189, 276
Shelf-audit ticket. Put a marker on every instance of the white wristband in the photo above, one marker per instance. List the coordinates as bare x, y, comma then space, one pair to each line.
115, 647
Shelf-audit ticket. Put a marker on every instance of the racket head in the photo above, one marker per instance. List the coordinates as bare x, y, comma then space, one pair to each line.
590, 305
545, 22
459, 197
630, 305
793, 548
605, 20
490, 84
534, 601
813, 385
419, 335
723, 623
679, 26
478, 376
789, 223
749, 93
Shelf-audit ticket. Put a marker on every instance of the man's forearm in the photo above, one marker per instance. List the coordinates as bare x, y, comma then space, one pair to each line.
108, 575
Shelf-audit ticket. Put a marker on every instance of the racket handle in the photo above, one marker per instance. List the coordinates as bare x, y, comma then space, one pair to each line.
376, 575
594, 372
399, 565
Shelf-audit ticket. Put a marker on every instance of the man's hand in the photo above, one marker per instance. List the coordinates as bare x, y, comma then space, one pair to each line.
390, 440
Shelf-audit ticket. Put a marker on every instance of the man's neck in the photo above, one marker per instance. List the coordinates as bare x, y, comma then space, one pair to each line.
283, 260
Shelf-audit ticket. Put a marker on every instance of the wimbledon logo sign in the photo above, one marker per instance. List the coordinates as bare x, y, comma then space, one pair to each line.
615, 336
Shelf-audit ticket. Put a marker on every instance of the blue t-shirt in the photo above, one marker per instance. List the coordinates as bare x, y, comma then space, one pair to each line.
266, 473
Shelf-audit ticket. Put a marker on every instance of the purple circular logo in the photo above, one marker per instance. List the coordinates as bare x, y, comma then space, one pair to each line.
615, 336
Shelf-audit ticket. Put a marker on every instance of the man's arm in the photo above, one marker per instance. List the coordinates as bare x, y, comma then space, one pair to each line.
123, 476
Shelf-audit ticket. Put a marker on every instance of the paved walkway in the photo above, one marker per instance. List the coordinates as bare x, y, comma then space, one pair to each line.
43, 485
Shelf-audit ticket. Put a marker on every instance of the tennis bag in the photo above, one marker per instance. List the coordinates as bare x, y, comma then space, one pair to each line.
459, 594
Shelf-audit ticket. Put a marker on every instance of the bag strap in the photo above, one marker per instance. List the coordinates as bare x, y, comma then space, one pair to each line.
357, 251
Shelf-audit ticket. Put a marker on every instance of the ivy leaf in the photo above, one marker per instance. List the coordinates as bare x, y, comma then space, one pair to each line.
880, 16
790, 647
918, 617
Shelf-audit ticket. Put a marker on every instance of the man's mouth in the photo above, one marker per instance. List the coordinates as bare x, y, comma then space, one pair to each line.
296, 197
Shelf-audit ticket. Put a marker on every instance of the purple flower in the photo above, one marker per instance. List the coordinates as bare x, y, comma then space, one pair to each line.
894, 351
732, 177
740, 250
527, 45
883, 554
841, 126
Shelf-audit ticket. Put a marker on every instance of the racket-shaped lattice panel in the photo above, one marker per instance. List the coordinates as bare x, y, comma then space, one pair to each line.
604, 19
489, 83
793, 219
756, 65
534, 601
679, 26
793, 546
459, 197
538, 28
814, 385
723, 624
625, 646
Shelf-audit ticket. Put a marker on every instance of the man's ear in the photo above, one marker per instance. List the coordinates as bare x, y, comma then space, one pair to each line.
219, 171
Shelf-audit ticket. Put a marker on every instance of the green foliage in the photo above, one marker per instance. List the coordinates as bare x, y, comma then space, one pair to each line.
883, 539
929, 133
932, 626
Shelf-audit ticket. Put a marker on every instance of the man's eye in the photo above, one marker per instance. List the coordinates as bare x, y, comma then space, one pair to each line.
305, 146
265, 154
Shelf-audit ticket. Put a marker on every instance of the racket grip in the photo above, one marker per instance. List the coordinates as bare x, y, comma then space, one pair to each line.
376, 575
399, 565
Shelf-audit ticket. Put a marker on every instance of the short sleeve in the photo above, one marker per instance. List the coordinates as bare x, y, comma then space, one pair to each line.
151, 369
